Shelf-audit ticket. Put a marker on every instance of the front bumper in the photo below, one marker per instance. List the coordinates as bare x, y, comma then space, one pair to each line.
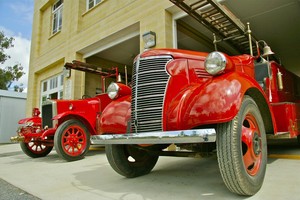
165, 137
27, 134
17, 139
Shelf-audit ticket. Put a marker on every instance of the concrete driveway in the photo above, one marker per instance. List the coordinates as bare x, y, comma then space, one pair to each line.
172, 178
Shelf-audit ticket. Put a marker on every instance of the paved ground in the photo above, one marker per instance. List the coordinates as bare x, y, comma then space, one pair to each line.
172, 178
9, 191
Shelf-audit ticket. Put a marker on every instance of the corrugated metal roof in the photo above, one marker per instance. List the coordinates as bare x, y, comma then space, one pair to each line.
6, 93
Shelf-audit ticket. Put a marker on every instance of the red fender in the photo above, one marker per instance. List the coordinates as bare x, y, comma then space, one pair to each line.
77, 115
67, 113
116, 115
216, 101
37, 121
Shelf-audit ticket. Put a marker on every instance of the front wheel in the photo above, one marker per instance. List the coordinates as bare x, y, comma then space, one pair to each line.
72, 140
130, 161
242, 150
35, 149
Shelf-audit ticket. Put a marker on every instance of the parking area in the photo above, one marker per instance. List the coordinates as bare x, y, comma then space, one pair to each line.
172, 178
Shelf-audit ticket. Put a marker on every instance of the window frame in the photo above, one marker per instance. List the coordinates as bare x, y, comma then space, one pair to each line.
94, 3
49, 83
57, 12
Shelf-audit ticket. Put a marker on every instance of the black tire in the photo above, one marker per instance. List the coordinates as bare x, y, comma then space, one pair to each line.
130, 161
72, 140
35, 149
242, 150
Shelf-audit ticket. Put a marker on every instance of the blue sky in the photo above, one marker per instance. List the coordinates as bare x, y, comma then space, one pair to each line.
16, 16
16, 21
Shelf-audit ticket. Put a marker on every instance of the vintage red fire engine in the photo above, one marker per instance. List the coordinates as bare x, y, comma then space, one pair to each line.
65, 124
201, 102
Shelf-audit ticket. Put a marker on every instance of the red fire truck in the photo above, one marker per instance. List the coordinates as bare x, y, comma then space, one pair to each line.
65, 124
202, 102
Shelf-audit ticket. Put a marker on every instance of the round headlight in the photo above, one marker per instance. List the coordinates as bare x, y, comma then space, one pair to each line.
113, 90
215, 63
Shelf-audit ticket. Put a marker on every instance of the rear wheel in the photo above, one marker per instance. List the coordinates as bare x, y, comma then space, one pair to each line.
35, 149
242, 150
130, 161
72, 140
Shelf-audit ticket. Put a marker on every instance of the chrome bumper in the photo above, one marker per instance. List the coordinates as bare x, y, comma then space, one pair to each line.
165, 137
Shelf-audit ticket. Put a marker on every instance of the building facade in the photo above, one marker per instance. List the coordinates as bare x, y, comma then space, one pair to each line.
109, 33
105, 33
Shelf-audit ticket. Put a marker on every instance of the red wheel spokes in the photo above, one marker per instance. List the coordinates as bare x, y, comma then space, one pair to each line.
251, 140
36, 147
74, 140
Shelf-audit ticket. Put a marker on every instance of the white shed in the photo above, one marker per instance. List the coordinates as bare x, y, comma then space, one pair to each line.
12, 109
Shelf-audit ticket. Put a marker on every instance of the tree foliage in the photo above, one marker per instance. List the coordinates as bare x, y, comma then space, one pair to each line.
9, 74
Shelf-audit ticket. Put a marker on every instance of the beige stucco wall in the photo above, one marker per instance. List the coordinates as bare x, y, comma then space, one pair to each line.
80, 29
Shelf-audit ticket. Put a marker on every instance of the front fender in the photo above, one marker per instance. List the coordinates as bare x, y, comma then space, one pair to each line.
116, 115
89, 122
215, 101
37, 121
66, 114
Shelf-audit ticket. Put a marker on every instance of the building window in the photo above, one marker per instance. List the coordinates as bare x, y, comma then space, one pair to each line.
52, 88
91, 3
53, 83
57, 16
45, 86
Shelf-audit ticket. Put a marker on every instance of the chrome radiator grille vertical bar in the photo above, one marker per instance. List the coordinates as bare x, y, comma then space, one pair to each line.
149, 81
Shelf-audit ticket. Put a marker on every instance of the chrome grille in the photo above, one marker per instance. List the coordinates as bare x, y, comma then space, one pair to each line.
149, 80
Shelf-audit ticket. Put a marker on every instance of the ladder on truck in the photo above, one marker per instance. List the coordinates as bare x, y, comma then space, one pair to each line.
220, 21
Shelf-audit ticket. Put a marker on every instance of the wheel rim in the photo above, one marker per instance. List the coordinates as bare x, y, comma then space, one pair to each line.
251, 145
74, 140
36, 147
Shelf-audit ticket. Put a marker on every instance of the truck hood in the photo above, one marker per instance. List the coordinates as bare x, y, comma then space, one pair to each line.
195, 55
175, 53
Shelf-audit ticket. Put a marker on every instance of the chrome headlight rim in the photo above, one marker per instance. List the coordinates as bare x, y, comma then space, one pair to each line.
113, 90
215, 63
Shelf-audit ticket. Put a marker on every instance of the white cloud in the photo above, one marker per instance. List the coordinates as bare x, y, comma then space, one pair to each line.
19, 54
7, 32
